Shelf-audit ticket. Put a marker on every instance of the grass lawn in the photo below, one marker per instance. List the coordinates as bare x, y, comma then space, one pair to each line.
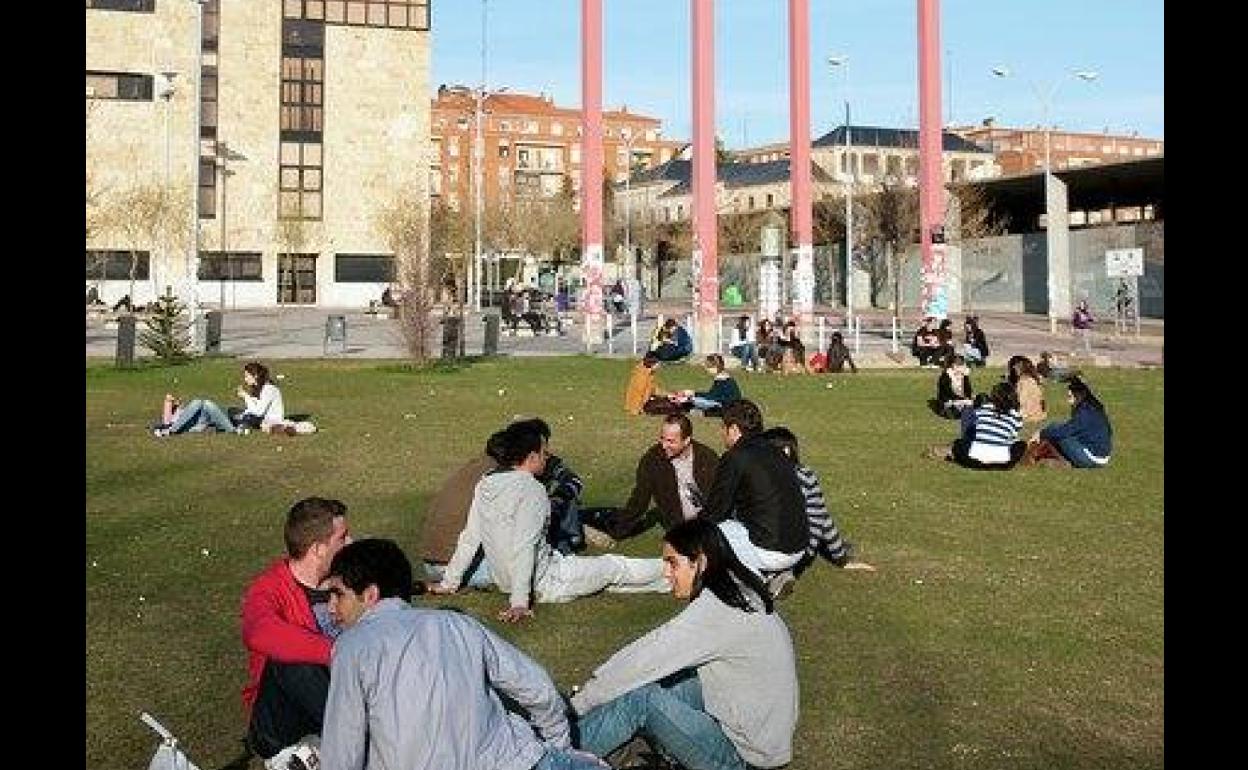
1015, 620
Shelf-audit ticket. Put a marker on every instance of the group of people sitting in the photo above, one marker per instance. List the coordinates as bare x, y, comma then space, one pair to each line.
533, 306
932, 343
644, 394
330, 629
772, 346
991, 424
263, 410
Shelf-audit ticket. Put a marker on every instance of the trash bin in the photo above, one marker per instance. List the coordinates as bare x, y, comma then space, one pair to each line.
212, 332
335, 331
125, 341
490, 346
452, 337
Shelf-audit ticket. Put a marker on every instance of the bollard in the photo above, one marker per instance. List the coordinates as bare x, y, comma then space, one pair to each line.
335, 331
212, 334
490, 346
125, 341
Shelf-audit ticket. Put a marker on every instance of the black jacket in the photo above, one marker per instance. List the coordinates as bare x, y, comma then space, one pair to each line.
755, 483
656, 479
944, 388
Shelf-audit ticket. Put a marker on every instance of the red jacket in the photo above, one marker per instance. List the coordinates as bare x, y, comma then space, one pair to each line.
278, 623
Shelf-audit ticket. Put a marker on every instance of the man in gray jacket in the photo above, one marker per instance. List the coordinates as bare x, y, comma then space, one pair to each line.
414, 689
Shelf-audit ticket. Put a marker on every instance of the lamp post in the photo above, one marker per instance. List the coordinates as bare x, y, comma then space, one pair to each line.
192, 263
167, 91
1046, 101
843, 61
223, 157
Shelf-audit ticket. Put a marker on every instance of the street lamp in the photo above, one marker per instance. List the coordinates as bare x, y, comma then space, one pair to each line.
223, 157
167, 91
1046, 102
478, 181
842, 60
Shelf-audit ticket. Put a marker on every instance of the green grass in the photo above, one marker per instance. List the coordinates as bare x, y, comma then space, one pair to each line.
1015, 620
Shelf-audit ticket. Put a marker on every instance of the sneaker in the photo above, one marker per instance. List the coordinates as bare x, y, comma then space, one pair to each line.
160, 432
847, 555
598, 539
304, 755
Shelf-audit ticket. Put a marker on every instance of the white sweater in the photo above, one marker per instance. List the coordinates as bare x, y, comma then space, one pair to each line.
267, 406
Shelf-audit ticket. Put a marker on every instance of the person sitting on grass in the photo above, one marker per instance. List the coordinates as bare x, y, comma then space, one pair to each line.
989, 439
644, 394
793, 358
975, 347
419, 689
195, 416
672, 342
1083, 441
714, 687
724, 389
839, 356
825, 538
509, 519
954, 393
743, 345
263, 408
925, 345
1021, 373
289, 634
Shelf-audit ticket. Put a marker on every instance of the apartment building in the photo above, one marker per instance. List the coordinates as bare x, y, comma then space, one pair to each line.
1021, 150
287, 126
531, 147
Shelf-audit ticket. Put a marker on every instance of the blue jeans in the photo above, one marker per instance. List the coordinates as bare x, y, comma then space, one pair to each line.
1075, 452
748, 353
704, 403
671, 715
568, 759
203, 412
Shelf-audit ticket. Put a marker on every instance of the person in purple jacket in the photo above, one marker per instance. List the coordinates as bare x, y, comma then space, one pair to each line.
1085, 440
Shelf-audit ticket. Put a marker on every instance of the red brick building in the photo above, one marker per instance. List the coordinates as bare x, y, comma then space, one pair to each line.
1021, 150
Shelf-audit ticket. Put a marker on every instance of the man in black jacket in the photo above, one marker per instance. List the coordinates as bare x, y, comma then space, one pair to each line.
756, 494
676, 473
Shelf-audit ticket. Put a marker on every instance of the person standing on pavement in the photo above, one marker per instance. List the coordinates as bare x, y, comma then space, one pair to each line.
1081, 325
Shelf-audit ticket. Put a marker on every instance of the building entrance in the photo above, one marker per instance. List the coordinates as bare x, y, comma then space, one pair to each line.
296, 279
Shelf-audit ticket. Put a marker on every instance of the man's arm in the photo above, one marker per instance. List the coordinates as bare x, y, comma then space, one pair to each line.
567, 485
526, 682
719, 501
532, 513
344, 737
267, 631
635, 509
465, 549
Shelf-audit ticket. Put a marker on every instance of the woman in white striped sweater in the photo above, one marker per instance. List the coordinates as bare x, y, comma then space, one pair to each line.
990, 433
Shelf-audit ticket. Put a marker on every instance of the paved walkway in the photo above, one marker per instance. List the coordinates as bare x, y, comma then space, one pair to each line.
299, 332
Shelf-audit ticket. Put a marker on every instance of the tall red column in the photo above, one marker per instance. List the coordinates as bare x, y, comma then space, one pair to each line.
591, 169
705, 265
934, 298
799, 165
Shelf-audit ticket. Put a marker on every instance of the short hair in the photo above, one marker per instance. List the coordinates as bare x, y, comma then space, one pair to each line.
374, 562
511, 447
533, 423
311, 521
649, 360
715, 360
681, 419
744, 414
783, 439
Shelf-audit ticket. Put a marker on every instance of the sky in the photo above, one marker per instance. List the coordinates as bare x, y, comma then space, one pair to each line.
533, 46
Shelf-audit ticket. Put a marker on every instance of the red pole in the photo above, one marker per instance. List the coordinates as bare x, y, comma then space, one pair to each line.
591, 168
706, 246
799, 165
931, 176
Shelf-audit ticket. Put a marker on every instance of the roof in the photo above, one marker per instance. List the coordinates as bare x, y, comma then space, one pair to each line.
732, 175
875, 136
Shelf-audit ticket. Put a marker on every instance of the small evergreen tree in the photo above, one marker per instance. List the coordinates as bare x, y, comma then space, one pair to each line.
167, 333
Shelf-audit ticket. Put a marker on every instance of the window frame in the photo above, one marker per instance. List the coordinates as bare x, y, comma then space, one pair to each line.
213, 260
365, 268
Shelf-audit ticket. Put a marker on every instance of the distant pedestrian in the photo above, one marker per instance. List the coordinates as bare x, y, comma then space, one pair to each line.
1081, 323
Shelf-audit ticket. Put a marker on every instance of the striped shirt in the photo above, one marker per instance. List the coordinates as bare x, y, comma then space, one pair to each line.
994, 433
825, 539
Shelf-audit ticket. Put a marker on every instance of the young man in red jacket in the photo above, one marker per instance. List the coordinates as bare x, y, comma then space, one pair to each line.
289, 634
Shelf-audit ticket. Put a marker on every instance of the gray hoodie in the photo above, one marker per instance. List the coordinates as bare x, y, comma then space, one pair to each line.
508, 518
745, 665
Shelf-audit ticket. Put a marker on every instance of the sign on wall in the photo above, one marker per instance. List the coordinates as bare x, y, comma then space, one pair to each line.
1124, 263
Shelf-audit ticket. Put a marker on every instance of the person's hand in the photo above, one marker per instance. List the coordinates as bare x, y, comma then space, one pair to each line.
240, 392
515, 614
440, 588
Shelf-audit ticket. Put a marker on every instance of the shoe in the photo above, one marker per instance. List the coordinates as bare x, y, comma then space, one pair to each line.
781, 584
304, 755
598, 539
160, 432
847, 554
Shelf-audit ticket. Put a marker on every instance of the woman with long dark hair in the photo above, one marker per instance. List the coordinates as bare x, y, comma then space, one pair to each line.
1085, 440
714, 687
1021, 373
989, 439
263, 406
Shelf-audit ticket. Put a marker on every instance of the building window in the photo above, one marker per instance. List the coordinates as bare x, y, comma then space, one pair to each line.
395, 14
363, 268
123, 86
230, 266
771, 200
303, 83
210, 32
207, 189
299, 187
115, 265
208, 102
134, 6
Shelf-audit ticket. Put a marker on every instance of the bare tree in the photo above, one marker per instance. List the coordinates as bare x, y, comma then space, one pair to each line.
451, 241
151, 216
403, 222
886, 228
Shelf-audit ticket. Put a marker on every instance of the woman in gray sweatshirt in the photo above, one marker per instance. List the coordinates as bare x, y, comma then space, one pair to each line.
715, 686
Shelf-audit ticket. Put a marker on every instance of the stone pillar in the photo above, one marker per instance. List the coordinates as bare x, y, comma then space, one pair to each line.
799, 164
931, 176
705, 259
1057, 251
591, 169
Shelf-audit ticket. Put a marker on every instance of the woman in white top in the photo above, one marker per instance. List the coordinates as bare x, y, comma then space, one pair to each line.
714, 687
263, 408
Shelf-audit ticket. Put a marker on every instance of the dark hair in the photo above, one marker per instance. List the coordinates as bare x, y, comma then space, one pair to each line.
783, 439
724, 574
715, 360
261, 373
681, 419
743, 322
374, 562
945, 324
1004, 397
510, 447
310, 521
837, 337
1011, 366
744, 414
669, 324
533, 423
956, 358
649, 360
1083, 394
